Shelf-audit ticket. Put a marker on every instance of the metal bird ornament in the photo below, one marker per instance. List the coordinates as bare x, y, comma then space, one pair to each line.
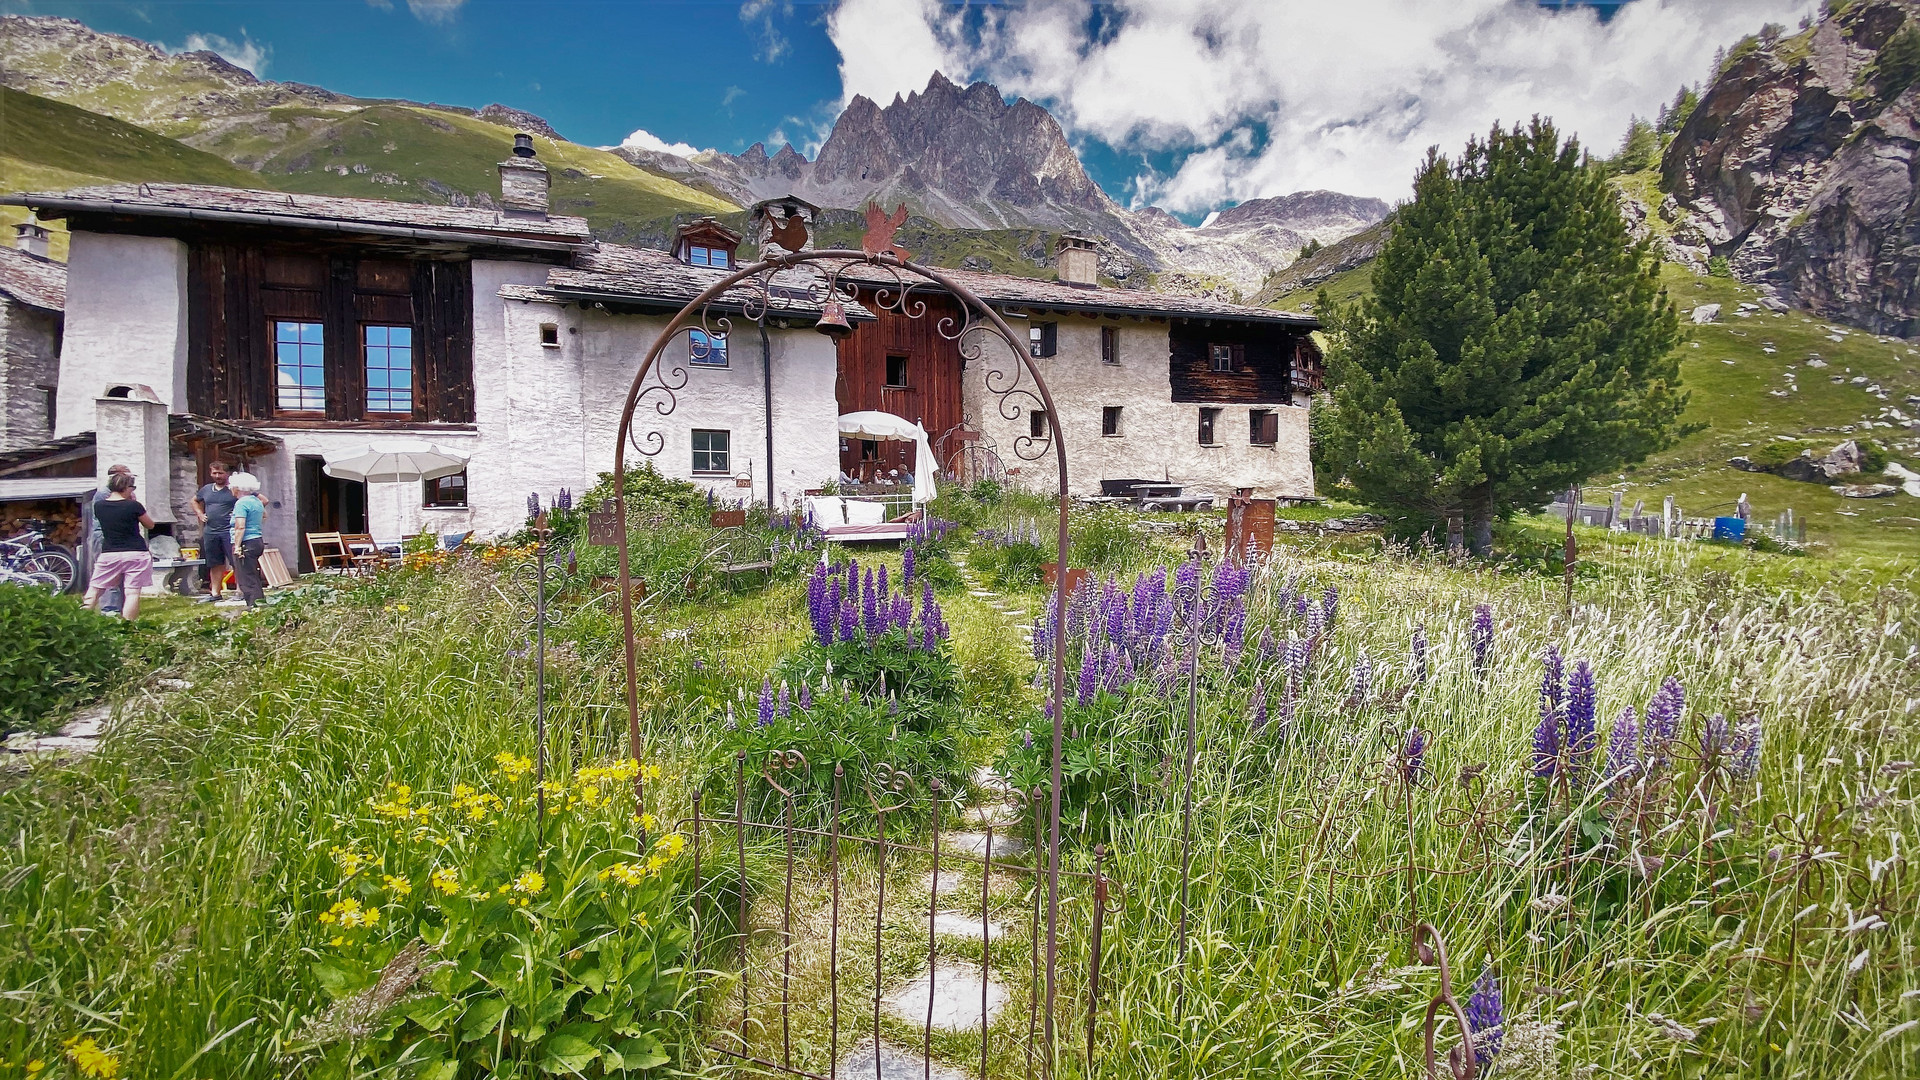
880, 228
791, 233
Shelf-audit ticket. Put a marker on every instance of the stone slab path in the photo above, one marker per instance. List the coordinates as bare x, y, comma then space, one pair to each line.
892, 1064
954, 993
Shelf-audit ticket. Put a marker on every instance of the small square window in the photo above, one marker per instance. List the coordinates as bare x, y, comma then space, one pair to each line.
707, 350
1263, 427
1109, 344
446, 491
550, 334
1110, 420
1221, 357
1037, 424
1209, 420
710, 451
896, 371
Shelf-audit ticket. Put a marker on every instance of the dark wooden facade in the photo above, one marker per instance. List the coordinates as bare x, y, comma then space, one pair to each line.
931, 394
1270, 362
237, 289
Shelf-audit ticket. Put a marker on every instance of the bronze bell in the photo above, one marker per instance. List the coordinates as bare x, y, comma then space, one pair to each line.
833, 320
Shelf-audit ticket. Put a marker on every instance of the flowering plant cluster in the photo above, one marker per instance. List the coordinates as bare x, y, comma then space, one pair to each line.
468, 937
1012, 556
846, 606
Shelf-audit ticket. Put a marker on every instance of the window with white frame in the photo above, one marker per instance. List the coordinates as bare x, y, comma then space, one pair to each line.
710, 451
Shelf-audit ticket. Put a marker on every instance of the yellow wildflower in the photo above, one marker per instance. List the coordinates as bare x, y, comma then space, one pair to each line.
350, 914
349, 859
35, 1066
532, 883
648, 822
651, 772
640, 920
337, 942
401, 608
446, 879
624, 873
398, 886
672, 843
91, 1060
512, 766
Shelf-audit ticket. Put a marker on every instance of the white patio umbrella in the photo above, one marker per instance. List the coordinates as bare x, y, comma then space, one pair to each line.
886, 427
397, 464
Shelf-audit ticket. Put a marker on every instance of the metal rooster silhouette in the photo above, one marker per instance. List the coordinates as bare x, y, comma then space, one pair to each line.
880, 228
791, 233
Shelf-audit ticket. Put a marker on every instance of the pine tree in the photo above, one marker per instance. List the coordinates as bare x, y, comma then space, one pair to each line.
1517, 340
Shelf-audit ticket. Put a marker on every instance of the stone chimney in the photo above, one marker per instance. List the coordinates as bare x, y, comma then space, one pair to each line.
775, 219
524, 181
131, 429
1076, 259
32, 237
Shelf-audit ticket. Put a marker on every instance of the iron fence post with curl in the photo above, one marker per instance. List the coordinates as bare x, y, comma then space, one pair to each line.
1430, 948
893, 292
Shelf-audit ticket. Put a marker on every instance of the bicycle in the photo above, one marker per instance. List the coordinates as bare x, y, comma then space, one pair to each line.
38, 579
30, 553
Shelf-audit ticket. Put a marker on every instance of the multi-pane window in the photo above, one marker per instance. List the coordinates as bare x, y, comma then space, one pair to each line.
1109, 344
705, 348
710, 451
446, 491
1222, 357
389, 369
896, 371
1043, 338
1110, 420
1209, 419
702, 255
300, 366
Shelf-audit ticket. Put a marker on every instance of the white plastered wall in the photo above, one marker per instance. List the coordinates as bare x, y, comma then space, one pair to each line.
126, 322
1159, 438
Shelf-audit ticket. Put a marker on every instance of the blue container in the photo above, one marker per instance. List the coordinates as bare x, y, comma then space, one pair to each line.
1730, 528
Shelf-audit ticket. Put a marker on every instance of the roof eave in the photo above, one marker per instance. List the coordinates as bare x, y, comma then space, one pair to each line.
574, 294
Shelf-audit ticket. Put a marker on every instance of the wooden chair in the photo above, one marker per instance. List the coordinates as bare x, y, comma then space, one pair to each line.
328, 551
364, 554
455, 541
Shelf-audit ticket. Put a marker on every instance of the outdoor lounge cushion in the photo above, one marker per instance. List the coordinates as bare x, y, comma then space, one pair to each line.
826, 510
865, 513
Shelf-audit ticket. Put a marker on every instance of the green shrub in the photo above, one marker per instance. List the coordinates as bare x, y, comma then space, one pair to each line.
52, 651
1778, 453
1718, 266
1103, 539
1898, 64
1873, 456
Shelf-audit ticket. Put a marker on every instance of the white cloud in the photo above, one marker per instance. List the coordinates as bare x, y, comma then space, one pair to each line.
642, 139
1285, 95
435, 11
245, 53
759, 16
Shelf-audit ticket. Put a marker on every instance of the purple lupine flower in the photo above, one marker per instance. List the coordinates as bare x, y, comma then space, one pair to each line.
806, 697
766, 703
1268, 653
1486, 1016
849, 619
1299, 652
1089, 676
1316, 620
1747, 740
1582, 739
1127, 674
1546, 741
564, 500
732, 724
1329, 606
1042, 628
1257, 721
1553, 679
1361, 686
533, 505
869, 609
1026, 739
783, 706
1304, 606
1420, 653
1480, 636
929, 641
1716, 738
1284, 727
1283, 600
817, 607
1112, 678
1662, 724
883, 581
1413, 755
1623, 748
1234, 635
906, 569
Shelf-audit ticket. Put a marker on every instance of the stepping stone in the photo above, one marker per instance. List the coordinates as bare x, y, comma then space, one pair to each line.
894, 1064
995, 814
972, 843
956, 924
954, 991
173, 684
979, 592
950, 882
54, 744
87, 724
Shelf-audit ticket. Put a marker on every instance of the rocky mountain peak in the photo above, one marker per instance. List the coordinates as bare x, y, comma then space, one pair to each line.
518, 120
1309, 213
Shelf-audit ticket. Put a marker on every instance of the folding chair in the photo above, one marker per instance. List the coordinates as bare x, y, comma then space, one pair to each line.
328, 552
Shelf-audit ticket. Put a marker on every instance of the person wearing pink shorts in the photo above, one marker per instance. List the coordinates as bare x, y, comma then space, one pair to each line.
124, 560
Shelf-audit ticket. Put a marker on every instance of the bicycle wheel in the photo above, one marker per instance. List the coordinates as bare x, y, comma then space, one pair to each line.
37, 580
56, 564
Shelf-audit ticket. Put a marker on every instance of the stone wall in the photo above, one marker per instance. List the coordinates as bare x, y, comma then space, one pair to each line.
29, 362
126, 323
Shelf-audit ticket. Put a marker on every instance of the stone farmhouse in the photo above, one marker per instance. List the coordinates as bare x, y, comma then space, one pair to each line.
285, 331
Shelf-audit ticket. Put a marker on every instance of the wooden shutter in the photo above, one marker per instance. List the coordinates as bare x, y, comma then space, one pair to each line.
1049, 339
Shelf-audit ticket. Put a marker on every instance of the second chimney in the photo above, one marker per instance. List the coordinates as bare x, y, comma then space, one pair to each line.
32, 237
524, 181
1076, 259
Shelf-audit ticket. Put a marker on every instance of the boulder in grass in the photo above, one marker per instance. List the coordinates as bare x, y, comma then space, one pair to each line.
1706, 313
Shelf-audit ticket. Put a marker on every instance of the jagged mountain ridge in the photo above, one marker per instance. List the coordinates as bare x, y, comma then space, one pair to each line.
1801, 166
965, 157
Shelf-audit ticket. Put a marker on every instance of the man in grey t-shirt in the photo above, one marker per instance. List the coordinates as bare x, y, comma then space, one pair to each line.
213, 505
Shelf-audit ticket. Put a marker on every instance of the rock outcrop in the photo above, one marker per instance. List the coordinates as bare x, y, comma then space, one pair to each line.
1801, 166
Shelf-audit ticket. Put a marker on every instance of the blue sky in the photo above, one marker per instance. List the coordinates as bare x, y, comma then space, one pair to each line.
1193, 106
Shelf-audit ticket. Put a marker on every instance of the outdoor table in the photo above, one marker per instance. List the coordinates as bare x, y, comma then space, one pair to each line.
178, 575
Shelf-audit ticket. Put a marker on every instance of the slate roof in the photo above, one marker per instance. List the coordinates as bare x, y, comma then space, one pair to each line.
648, 277
287, 208
35, 282
1008, 291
